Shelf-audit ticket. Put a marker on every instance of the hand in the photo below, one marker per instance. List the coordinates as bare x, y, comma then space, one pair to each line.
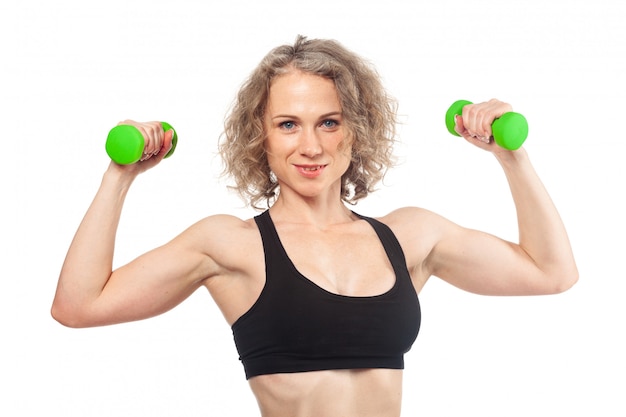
154, 137
475, 123
157, 144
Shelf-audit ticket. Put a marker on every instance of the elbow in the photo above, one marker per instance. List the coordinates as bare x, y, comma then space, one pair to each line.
67, 316
565, 280
63, 317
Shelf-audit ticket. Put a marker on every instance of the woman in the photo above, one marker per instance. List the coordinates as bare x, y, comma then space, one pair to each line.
323, 304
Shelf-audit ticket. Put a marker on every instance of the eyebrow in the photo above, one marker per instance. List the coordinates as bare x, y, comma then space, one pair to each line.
323, 116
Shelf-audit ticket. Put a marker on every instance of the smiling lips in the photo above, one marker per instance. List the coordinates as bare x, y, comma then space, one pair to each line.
310, 171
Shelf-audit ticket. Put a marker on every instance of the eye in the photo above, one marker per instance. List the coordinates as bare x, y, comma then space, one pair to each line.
288, 125
330, 123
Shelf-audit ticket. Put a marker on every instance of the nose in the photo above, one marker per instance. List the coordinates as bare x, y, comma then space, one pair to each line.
310, 144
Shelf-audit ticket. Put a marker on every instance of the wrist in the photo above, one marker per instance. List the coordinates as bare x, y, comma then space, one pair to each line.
119, 177
511, 158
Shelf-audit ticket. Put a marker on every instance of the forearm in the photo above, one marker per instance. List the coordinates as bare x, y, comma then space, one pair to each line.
89, 260
542, 234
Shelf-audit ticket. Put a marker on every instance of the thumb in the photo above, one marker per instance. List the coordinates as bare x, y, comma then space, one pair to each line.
168, 141
458, 125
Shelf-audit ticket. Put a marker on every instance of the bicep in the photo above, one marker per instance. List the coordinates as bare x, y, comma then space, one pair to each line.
153, 283
481, 263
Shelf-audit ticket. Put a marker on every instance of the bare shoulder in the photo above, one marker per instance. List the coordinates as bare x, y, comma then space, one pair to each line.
415, 222
418, 231
224, 238
224, 222
235, 249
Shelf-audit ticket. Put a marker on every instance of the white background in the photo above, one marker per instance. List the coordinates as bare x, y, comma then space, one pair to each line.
71, 69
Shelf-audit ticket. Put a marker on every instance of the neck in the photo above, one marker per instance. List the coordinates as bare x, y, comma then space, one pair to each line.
315, 210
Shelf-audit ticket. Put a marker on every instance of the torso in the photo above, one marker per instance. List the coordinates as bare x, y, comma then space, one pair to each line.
346, 393
364, 270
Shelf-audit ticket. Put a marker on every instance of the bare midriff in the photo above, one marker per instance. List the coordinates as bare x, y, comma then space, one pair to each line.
346, 393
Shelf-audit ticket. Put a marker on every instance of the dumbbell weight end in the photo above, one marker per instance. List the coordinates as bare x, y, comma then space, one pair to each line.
125, 143
509, 130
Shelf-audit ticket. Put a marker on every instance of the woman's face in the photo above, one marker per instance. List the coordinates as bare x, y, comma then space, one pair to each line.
305, 130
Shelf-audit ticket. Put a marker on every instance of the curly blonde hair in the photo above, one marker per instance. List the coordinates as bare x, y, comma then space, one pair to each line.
369, 113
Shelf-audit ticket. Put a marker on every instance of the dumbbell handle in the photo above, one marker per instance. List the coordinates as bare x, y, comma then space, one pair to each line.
125, 143
509, 130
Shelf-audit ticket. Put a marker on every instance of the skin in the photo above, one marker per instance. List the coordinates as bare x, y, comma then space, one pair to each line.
308, 152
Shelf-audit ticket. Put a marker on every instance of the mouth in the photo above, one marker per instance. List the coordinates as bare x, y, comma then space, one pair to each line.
310, 171
311, 168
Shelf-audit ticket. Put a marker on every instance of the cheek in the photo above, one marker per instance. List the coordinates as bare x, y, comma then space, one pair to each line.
270, 157
344, 156
271, 146
344, 146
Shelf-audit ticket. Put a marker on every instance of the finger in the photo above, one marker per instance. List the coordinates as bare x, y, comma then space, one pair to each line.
459, 126
168, 141
151, 140
469, 115
492, 110
155, 138
478, 119
473, 136
483, 124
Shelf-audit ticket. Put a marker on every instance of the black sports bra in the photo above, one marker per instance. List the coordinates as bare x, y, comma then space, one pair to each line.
296, 326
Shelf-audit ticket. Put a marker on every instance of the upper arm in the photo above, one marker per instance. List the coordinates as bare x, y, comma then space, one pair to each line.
472, 260
485, 264
160, 279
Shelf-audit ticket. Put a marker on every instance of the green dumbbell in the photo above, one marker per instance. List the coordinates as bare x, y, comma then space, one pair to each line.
509, 130
125, 143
